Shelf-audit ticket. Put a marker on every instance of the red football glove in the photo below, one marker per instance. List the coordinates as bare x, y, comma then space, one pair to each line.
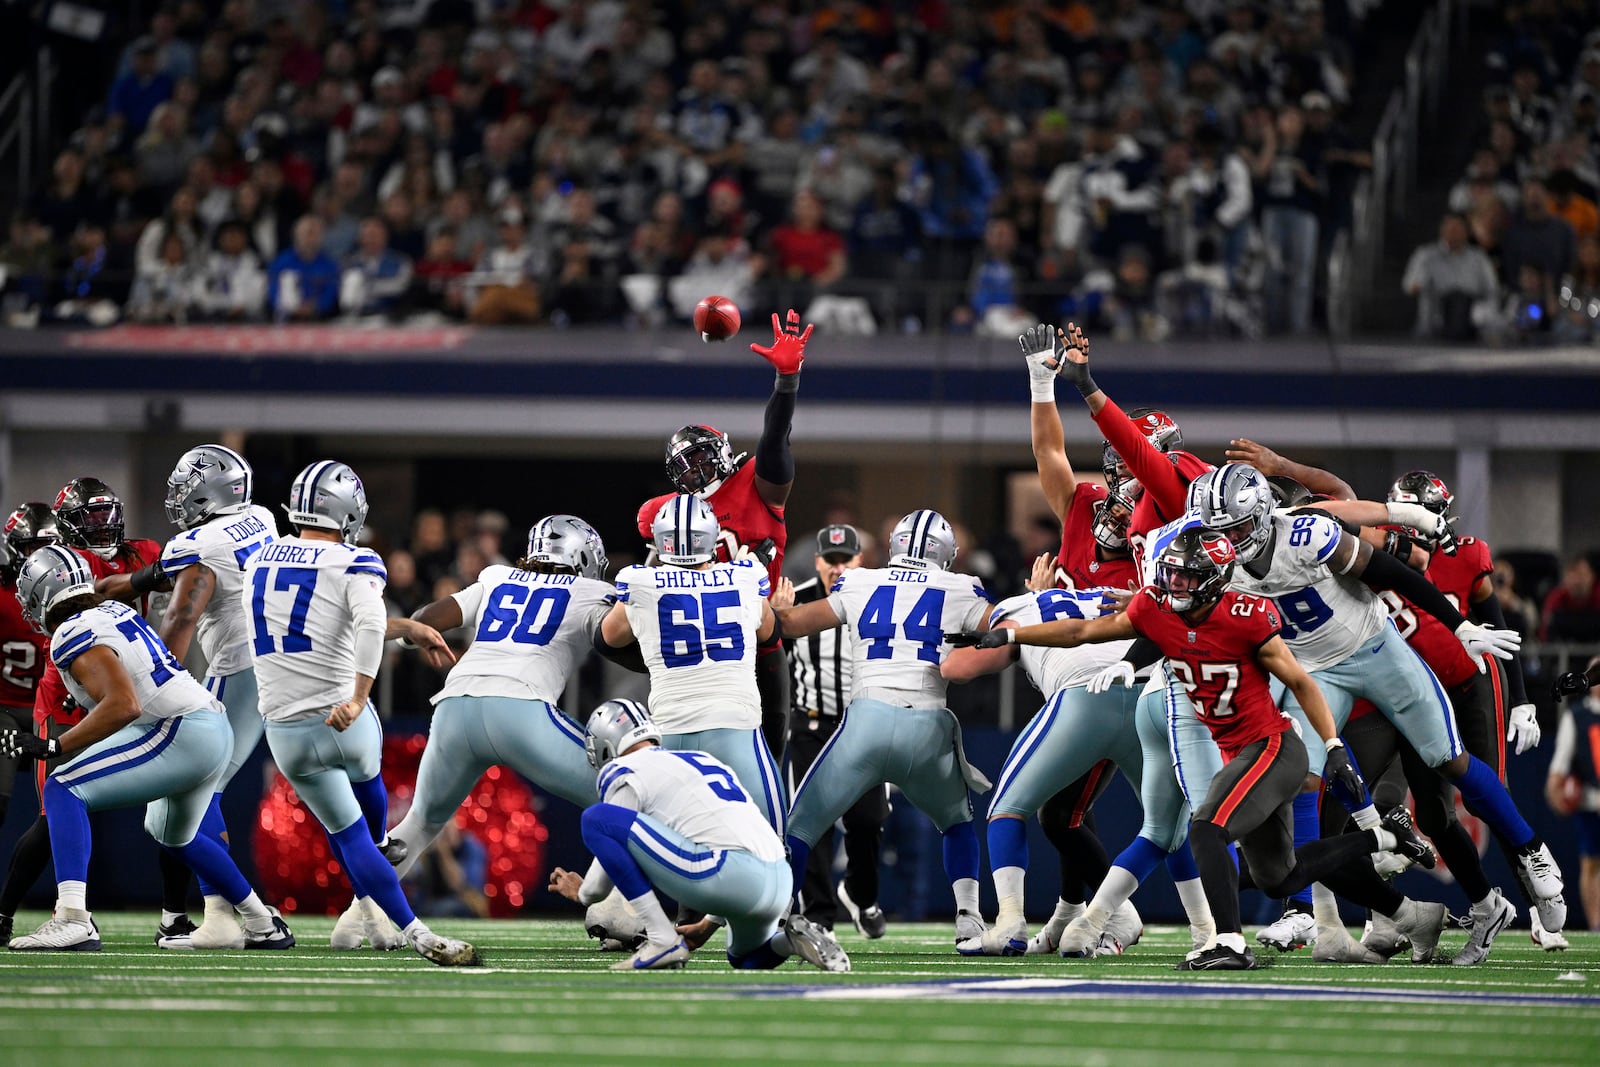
788, 349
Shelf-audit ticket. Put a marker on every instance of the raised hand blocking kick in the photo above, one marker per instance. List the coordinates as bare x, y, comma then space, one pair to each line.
788, 349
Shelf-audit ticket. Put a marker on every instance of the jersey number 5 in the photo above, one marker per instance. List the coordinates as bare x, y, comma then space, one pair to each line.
720, 779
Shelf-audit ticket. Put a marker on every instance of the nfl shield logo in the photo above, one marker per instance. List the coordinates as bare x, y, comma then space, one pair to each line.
836, 537
1191, 637
1094, 566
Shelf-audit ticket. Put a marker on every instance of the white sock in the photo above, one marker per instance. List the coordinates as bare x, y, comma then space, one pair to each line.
72, 896
170, 917
1195, 905
1367, 818
1484, 903
780, 943
218, 908
1234, 941
1062, 917
414, 929
1114, 892
966, 890
1325, 909
1386, 841
1008, 886
257, 919
657, 927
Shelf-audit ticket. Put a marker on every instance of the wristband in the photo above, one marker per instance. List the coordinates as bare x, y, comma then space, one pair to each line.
1332, 743
1043, 392
147, 579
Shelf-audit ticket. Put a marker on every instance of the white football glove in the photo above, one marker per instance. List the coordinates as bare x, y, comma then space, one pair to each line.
1437, 529
1038, 345
1119, 673
1501, 644
1523, 728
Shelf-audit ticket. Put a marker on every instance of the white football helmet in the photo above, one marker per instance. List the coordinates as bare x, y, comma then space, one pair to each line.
924, 535
51, 575
616, 726
208, 480
685, 531
1236, 501
328, 496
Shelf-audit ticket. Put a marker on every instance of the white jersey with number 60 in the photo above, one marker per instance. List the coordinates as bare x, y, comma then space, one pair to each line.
697, 633
900, 614
1326, 616
529, 632
165, 690
306, 599
693, 793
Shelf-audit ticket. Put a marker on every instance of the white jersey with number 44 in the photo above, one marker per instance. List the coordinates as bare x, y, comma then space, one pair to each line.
697, 632
529, 632
1326, 616
900, 614
693, 793
303, 599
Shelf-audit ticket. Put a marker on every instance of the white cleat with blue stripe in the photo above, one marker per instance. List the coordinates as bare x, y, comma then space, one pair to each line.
655, 957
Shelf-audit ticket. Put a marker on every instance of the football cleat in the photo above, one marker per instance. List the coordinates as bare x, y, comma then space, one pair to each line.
1546, 938
651, 957
176, 934
1219, 958
1335, 945
1046, 941
1489, 916
1423, 926
969, 926
870, 922
1539, 873
614, 924
349, 930
1383, 937
71, 931
379, 931
1408, 842
1081, 938
394, 850
815, 944
1043, 943
278, 937
1291, 930
1123, 931
1552, 912
1390, 864
217, 932
448, 952
1010, 939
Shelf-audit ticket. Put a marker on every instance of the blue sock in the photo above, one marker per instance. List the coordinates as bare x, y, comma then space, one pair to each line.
1141, 857
799, 853
214, 868
1181, 865
344, 864
372, 872
605, 832
373, 796
1307, 828
1008, 843
961, 851
764, 958
1486, 798
69, 832
212, 826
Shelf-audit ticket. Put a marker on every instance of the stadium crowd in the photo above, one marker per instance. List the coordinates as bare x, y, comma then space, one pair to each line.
1152, 169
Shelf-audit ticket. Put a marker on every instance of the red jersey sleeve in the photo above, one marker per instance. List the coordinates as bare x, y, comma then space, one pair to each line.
1261, 619
51, 700
647, 513
1151, 466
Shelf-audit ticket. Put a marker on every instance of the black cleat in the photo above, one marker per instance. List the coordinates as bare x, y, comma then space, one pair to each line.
1408, 842
394, 850
7, 923
182, 926
1219, 958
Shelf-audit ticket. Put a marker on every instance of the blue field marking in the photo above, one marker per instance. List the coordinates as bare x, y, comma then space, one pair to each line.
966, 989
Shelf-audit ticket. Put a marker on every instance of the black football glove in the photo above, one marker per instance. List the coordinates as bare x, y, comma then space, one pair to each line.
981, 638
1571, 684
15, 743
1345, 780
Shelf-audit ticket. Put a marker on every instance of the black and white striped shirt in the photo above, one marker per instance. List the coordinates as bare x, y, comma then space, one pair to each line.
819, 666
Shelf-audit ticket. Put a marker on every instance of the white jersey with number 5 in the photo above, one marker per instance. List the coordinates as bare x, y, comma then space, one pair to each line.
900, 614
1054, 669
306, 600
223, 545
697, 632
1326, 616
529, 631
693, 793
165, 690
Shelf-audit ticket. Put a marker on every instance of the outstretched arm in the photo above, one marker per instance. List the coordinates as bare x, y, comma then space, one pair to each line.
774, 462
803, 620
1268, 462
1063, 633
1049, 440
965, 664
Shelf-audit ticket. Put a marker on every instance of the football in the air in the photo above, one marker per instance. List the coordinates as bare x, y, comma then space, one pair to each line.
716, 318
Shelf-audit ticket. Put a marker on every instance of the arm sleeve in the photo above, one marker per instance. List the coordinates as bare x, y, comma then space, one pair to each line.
1142, 653
1383, 571
364, 596
1490, 611
774, 462
596, 884
1153, 469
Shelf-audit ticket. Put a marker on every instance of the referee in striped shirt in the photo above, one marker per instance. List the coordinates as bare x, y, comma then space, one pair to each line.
819, 673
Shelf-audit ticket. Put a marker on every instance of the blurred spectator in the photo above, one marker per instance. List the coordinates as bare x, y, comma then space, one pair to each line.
951, 186
1536, 238
806, 256
135, 94
1568, 202
1453, 282
164, 290
1291, 192
1215, 198
174, 56
1572, 610
721, 265
1578, 299
1522, 614
994, 295
259, 218
303, 281
1107, 200
1123, 302
66, 202
232, 285
89, 293
126, 208
181, 219
28, 258
449, 879
438, 283
1572, 788
505, 276
1482, 177
376, 278
587, 262
165, 148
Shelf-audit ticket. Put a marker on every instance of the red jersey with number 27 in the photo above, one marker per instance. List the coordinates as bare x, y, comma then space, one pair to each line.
1078, 563
1215, 660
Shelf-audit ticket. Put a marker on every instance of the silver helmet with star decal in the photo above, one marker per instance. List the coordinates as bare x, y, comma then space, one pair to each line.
209, 480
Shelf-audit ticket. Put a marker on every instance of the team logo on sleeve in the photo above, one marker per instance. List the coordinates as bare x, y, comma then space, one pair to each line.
1219, 549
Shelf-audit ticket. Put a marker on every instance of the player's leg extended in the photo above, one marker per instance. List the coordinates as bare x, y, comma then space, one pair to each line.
926, 762
849, 764
31, 854
863, 849
456, 756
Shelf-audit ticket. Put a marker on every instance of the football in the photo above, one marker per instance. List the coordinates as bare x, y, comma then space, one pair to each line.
716, 318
